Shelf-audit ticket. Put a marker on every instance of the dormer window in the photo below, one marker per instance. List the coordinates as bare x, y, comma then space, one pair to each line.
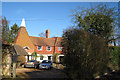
26, 47
48, 48
39, 48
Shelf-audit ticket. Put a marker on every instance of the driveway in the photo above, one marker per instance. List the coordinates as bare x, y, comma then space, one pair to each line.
36, 73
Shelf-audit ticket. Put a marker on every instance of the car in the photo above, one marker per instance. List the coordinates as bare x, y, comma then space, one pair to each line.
46, 64
32, 63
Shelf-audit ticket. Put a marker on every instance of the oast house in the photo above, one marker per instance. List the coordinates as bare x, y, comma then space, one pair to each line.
45, 47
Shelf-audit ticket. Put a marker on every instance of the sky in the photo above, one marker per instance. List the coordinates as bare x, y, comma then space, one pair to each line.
40, 16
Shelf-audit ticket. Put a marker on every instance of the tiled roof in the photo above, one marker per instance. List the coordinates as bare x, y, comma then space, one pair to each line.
22, 38
41, 41
19, 50
58, 41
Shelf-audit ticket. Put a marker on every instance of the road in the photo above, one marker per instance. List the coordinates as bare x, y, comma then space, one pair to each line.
36, 73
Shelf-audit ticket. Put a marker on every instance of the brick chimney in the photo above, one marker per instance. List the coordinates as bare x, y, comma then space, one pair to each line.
47, 33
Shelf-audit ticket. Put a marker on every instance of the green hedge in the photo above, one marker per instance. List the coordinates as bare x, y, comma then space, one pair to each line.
114, 56
86, 55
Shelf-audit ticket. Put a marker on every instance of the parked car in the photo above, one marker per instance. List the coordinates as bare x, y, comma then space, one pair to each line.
45, 64
32, 63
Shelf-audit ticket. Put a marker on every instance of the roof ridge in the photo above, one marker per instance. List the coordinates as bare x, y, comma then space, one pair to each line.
36, 37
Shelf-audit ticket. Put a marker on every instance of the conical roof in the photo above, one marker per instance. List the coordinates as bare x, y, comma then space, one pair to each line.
23, 23
23, 39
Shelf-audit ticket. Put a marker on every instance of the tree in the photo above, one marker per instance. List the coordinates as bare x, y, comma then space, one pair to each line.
13, 33
42, 34
86, 55
8, 35
0, 27
99, 20
5, 30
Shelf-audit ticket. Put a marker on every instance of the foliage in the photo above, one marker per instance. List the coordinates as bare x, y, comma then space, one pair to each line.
114, 55
41, 56
7, 49
5, 30
55, 55
99, 20
35, 54
20, 60
8, 35
13, 33
86, 55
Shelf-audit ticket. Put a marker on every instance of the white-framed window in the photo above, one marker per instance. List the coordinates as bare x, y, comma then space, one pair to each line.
26, 47
60, 48
32, 57
39, 48
41, 57
48, 48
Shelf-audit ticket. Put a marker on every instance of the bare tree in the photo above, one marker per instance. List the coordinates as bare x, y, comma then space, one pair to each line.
42, 34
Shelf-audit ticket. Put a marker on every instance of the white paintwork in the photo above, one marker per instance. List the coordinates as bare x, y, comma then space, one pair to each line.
59, 57
38, 54
29, 57
23, 22
45, 57
29, 53
26, 58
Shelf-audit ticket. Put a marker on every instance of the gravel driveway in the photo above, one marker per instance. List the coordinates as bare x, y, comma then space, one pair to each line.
36, 73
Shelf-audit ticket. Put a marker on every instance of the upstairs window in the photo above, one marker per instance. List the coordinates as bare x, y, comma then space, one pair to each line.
39, 48
48, 48
60, 48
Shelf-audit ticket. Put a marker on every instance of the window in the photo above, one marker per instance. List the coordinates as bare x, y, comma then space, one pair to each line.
39, 48
48, 48
60, 48
41, 57
32, 57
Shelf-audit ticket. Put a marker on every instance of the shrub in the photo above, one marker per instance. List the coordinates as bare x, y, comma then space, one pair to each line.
114, 57
55, 57
86, 55
35, 54
20, 60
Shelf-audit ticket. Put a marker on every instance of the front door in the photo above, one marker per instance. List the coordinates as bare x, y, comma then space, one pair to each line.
49, 58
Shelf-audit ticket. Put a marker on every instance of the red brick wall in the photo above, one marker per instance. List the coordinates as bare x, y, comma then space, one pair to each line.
57, 50
44, 50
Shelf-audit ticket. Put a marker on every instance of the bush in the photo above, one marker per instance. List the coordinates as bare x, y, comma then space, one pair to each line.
114, 57
55, 57
86, 55
20, 60
35, 54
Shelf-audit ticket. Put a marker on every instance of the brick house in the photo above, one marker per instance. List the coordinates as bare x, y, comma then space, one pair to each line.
44, 46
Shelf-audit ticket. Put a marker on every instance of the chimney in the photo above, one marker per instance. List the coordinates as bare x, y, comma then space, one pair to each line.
47, 33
